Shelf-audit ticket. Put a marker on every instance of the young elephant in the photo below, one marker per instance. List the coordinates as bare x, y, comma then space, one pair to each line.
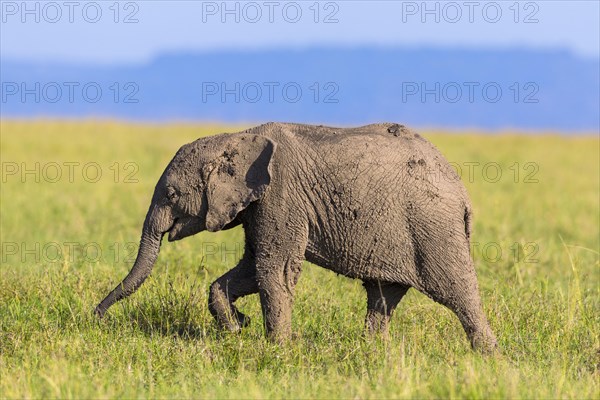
377, 203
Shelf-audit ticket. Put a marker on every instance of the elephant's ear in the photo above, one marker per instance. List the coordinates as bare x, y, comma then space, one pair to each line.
239, 176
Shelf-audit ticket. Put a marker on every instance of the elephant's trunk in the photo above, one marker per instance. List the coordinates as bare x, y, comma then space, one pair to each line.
146, 257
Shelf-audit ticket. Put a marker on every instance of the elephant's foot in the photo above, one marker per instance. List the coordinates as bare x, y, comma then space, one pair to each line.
225, 313
484, 341
382, 299
280, 335
241, 321
232, 321
377, 323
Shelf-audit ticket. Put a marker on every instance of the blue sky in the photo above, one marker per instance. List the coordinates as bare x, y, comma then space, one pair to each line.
95, 32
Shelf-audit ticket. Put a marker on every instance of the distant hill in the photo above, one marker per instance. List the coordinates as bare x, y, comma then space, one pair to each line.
455, 88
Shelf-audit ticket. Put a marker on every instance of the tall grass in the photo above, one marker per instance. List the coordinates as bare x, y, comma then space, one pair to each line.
536, 248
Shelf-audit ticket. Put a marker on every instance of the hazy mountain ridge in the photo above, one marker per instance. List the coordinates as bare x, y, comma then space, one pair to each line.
454, 88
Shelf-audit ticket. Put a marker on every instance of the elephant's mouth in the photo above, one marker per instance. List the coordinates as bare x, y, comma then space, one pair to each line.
175, 230
185, 227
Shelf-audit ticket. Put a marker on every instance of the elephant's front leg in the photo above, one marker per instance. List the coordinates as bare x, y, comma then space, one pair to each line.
278, 267
237, 282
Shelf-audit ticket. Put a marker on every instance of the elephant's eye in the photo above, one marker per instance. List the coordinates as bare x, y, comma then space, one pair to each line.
171, 193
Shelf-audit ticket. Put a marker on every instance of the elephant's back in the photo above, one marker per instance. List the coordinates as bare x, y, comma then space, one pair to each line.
384, 133
386, 141
391, 147
385, 159
376, 186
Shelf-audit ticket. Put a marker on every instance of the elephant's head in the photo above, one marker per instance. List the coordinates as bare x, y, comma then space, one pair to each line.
206, 185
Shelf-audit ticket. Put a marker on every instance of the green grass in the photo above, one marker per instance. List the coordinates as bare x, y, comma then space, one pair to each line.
539, 281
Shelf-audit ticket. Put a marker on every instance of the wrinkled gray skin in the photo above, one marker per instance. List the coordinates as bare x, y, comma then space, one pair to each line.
377, 203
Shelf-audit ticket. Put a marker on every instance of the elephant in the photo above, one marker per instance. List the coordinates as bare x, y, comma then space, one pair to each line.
377, 203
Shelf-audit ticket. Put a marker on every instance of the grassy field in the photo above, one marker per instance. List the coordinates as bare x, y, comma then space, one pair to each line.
68, 239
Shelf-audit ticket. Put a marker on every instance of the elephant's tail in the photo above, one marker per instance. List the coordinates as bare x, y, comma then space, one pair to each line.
467, 218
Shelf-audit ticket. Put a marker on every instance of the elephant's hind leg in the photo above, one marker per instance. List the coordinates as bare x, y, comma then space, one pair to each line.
382, 299
237, 282
452, 282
